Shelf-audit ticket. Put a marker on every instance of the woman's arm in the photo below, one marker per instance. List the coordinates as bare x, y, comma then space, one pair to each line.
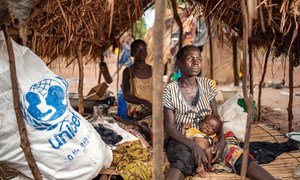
214, 108
169, 123
126, 91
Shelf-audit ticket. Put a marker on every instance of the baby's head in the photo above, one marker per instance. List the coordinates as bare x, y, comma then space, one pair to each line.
211, 124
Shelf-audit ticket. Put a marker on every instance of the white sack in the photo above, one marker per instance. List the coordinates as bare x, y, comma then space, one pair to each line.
234, 117
64, 144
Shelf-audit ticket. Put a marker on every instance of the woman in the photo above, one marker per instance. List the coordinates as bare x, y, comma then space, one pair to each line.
137, 86
137, 82
189, 100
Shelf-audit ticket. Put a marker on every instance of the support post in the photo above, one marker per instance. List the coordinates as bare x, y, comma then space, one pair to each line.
211, 54
291, 87
118, 69
25, 144
235, 62
249, 101
158, 70
178, 21
250, 67
262, 81
81, 76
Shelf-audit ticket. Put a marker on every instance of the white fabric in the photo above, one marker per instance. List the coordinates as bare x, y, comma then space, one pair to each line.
64, 144
234, 117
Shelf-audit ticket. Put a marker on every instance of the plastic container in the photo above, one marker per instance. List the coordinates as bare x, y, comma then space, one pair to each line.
122, 106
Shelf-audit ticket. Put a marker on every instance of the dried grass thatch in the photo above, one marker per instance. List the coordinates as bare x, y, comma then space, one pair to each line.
58, 27
189, 16
277, 22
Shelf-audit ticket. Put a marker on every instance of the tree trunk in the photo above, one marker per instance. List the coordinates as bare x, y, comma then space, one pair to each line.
158, 69
25, 144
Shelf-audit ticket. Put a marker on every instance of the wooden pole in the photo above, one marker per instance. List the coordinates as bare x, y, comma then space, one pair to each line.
118, 69
158, 70
25, 144
81, 76
100, 72
235, 62
291, 87
262, 81
210, 49
249, 101
178, 21
250, 67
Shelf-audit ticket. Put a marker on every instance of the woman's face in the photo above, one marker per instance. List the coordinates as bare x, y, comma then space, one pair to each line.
191, 64
209, 127
140, 52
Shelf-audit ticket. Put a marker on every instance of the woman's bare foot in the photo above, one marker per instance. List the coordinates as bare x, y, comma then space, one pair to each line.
201, 171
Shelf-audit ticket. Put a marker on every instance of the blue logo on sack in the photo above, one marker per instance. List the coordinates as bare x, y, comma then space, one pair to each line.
45, 107
45, 103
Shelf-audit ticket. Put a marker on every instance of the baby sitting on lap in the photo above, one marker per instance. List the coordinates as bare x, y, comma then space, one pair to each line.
206, 137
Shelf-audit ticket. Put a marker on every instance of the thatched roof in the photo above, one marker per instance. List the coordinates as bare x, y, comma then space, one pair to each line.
56, 28
280, 23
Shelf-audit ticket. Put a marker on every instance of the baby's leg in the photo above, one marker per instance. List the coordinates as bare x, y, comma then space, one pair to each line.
201, 171
208, 154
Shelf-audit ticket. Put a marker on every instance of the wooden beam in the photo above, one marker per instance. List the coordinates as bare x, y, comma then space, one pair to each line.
291, 88
250, 66
211, 53
235, 61
262, 81
25, 144
158, 70
178, 21
244, 86
81, 77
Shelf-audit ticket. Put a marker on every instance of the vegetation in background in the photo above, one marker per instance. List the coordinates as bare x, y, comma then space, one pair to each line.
139, 29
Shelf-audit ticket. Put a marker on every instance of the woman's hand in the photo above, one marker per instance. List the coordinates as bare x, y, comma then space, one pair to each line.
219, 149
199, 154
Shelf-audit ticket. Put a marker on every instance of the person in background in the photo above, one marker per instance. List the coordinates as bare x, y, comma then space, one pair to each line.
137, 86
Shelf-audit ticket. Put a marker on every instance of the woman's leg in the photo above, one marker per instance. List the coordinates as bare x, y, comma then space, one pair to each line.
255, 171
181, 159
174, 174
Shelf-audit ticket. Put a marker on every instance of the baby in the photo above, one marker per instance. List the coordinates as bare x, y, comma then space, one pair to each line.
205, 137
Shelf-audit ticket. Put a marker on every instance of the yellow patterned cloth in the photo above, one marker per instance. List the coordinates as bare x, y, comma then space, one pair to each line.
141, 88
133, 161
231, 154
193, 132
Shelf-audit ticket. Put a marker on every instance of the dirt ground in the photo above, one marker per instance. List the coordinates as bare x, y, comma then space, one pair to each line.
275, 96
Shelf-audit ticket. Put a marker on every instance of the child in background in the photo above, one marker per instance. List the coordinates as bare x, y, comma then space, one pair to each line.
206, 137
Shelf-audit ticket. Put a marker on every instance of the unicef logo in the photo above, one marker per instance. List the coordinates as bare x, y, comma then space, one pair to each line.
44, 105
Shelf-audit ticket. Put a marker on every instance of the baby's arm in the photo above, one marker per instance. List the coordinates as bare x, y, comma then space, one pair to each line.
185, 127
215, 140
